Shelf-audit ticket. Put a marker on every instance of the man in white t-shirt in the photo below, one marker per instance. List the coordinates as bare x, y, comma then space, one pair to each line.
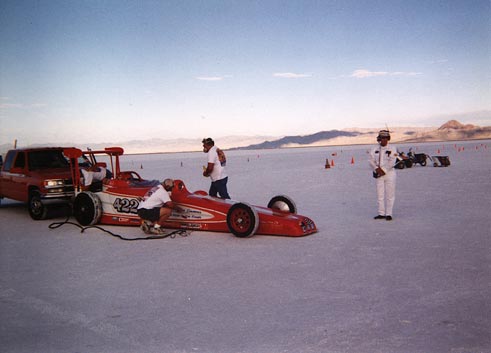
215, 169
156, 207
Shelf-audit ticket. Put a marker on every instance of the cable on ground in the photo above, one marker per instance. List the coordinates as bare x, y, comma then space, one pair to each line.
170, 234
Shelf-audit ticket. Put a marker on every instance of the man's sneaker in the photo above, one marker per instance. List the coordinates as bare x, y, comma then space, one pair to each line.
145, 226
157, 230
379, 217
389, 218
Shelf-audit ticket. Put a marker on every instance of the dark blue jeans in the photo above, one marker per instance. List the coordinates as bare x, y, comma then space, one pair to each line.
219, 187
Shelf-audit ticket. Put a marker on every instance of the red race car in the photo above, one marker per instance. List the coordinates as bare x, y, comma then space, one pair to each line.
115, 201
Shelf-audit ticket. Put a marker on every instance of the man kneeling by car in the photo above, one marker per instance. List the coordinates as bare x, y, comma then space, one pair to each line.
156, 207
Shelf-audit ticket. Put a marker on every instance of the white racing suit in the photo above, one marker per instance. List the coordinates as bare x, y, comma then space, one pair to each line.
385, 158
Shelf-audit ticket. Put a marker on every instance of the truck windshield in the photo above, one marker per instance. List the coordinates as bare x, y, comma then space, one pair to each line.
47, 159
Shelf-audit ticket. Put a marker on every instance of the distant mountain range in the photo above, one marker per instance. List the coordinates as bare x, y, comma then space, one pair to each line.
450, 131
454, 131
296, 141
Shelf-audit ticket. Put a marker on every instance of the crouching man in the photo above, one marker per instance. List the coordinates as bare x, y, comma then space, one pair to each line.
156, 207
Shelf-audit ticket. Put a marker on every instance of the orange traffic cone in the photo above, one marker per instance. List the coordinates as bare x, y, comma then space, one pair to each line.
332, 163
352, 160
327, 166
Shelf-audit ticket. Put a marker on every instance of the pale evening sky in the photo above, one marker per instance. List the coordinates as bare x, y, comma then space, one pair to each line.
117, 70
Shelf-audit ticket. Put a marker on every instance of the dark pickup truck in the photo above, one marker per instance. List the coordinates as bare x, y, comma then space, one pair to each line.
38, 176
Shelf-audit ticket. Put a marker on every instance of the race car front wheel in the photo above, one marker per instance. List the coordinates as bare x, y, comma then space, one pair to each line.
242, 220
87, 208
282, 203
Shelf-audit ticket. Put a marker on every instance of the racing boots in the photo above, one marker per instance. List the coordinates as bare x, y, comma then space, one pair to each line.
148, 228
145, 226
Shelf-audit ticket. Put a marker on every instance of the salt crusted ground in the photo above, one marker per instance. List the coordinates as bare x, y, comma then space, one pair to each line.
420, 283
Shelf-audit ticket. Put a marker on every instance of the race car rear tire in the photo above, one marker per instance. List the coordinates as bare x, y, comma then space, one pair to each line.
283, 203
87, 208
242, 220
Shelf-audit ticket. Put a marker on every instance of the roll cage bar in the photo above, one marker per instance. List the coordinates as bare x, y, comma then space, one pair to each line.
73, 154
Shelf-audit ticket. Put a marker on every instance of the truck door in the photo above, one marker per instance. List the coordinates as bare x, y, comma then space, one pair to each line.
14, 178
5, 177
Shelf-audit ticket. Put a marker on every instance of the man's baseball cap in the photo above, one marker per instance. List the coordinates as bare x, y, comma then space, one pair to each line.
383, 134
168, 184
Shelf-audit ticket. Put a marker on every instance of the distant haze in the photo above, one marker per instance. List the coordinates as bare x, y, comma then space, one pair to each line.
450, 131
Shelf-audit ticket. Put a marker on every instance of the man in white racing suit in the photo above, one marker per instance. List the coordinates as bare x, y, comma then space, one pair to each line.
382, 160
91, 174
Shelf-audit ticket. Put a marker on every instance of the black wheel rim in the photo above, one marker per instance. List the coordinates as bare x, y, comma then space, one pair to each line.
36, 206
84, 209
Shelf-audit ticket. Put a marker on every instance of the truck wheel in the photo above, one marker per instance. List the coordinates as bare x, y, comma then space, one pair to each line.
37, 210
87, 208
423, 163
282, 203
242, 220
